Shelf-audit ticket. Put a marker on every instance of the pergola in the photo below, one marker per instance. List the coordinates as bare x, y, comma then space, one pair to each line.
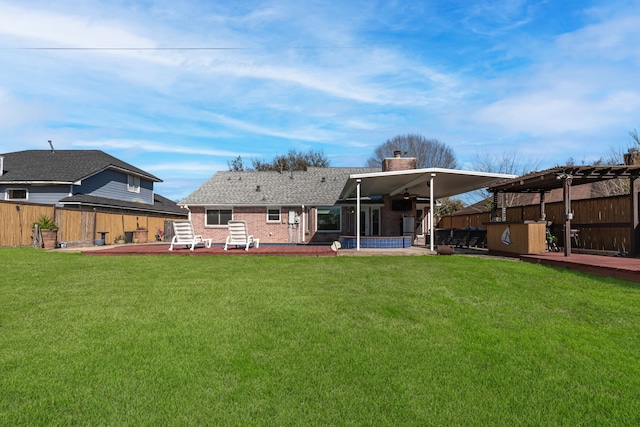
566, 176
434, 183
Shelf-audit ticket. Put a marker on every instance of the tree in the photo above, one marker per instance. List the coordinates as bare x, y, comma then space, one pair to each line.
636, 138
293, 160
509, 163
235, 165
449, 205
428, 152
617, 186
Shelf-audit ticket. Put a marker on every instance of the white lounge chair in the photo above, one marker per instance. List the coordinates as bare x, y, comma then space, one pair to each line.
239, 235
183, 235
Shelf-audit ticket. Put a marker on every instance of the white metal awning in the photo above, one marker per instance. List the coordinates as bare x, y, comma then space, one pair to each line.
434, 183
449, 182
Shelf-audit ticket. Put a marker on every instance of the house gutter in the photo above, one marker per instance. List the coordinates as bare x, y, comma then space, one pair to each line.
37, 182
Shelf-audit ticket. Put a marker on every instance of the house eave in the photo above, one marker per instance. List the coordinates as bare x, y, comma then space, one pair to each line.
39, 182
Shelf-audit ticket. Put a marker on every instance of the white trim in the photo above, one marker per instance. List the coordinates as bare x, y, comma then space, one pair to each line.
339, 220
273, 221
8, 189
133, 183
216, 208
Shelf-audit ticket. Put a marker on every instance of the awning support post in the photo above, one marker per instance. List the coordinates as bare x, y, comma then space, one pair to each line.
358, 215
431, 204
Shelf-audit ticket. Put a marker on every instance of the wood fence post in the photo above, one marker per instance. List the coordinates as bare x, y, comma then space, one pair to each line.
634, 216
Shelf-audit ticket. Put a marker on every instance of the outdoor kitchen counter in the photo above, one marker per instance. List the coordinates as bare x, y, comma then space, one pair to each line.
517, 237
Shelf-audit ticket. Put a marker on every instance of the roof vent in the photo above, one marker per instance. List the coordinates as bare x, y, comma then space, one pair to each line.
324, 179
397, 153
51, 145
257, 188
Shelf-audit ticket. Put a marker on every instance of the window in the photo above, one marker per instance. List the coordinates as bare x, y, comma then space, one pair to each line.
329, 219
133, 183
16, 194
273, 214
218, 216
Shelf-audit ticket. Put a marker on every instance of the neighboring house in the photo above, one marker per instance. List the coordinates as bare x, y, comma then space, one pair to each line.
279, 207
82, 179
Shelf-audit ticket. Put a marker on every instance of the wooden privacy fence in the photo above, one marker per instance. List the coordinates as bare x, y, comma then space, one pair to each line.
76, 228
17, 222
602, 223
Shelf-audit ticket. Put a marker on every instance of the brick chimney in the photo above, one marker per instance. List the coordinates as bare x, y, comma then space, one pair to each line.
398, 163
632, 158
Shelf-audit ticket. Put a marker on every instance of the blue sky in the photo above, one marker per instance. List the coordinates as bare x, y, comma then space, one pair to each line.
547, 80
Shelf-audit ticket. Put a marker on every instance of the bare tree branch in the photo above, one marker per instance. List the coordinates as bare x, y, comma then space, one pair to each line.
428, 152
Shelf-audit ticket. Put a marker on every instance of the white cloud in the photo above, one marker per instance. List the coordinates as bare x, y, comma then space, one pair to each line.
178, 168
547, 113
612, 40
308, 134
149, 146
52, 29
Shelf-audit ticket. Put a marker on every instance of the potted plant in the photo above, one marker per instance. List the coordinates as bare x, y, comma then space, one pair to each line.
49, 231
120, 239
140, 234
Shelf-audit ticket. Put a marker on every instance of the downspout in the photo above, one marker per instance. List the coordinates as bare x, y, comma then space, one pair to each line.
431, 225
1, 165
302, 229
358, 214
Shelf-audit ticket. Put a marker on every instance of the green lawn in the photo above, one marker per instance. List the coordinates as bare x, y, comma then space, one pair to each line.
180, 340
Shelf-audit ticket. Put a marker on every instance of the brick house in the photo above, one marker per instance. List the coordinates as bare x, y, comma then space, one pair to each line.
304, 206
279, 207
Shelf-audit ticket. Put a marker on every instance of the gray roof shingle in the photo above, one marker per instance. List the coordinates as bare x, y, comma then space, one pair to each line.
62, 166
160, 204
313, 187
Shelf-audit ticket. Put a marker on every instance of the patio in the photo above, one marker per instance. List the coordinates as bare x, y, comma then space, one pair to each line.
216, 249
612, 266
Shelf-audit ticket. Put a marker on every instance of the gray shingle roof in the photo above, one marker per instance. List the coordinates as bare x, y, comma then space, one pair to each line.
314, 187
62, 166
160, 204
